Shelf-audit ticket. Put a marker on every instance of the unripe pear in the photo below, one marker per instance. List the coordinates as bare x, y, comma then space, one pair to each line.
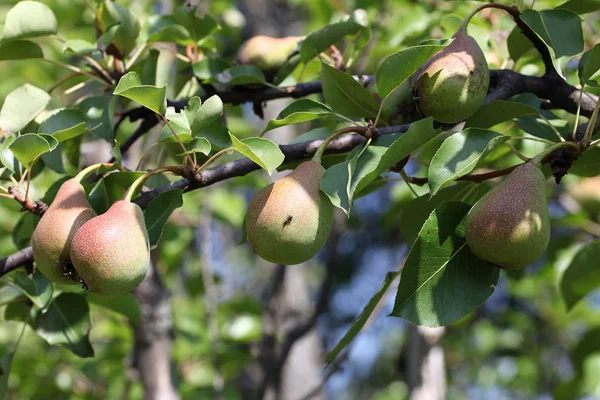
111, 252
267, 53
452, 85
510, 225
51, 240
289, 221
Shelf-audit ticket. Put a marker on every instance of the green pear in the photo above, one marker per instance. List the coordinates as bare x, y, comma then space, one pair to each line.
111, 252
452, 85
288, 222
51, 240
510, 225
267, 53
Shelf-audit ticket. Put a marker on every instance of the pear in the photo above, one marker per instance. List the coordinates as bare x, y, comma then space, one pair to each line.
289, 221
267, 53
111, 252
510, 225
452, 85
51, 240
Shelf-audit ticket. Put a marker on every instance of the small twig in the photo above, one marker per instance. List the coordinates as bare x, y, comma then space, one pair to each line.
471, 177
191, 161
77, 70
517, 152
36, 208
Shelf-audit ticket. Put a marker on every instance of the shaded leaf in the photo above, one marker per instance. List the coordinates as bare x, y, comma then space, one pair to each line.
125, 305
28, 148
66, 124
37, 287
66, 323
158, 212
582, 275
242, 75
346, 95
299, 111
560, 29
498, 111
20, 50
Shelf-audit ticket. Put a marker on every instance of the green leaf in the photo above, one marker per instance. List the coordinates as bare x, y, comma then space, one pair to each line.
262, 151
299, 111
582, 275
201, 116
165, 28
37, 287
20, 50
6, 156
29, 19
344, 181
198, 145
98, 112
28, 148
589, 65
21, 234
122, 25
8, 294
459, 155
442, 281
242, 75
110, 189
581, 6
498, 111
198, 28
158, 212
345, 95
588, 164
320, 40
152, 97
17, 312
67, 323
125, 305
21, 106
66, 124
585, 346
79, 47
362, 318
208, 69
399, 66
518, 44
560, 29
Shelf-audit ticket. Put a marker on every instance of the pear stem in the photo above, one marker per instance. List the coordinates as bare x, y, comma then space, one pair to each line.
537, 160
84, 172
463, 26
213, 158
139, 182
350, 129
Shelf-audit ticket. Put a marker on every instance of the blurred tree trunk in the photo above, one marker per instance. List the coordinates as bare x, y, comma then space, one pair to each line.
425, 366
153, 339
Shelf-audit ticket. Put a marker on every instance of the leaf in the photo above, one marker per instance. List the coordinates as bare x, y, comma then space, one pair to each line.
299, 111
198, 145
8, 294
152, 97
587, 164
28, 148
399, 66
201, 116
66, 124
362, 318
343, 182
17, 312
208, 69
120, 24
582, 275
166, 28
442, 281
320, 40
262, 151
560, 29
459, 155
346, 95
97, 112
125, 305
20, 50
518, 44
79, 47
21, 106
66, 323
241, 75
158, 212
498, 111
37, 287
21, 234
585, 346
589, 65
29, 19
581, 6
198, 28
